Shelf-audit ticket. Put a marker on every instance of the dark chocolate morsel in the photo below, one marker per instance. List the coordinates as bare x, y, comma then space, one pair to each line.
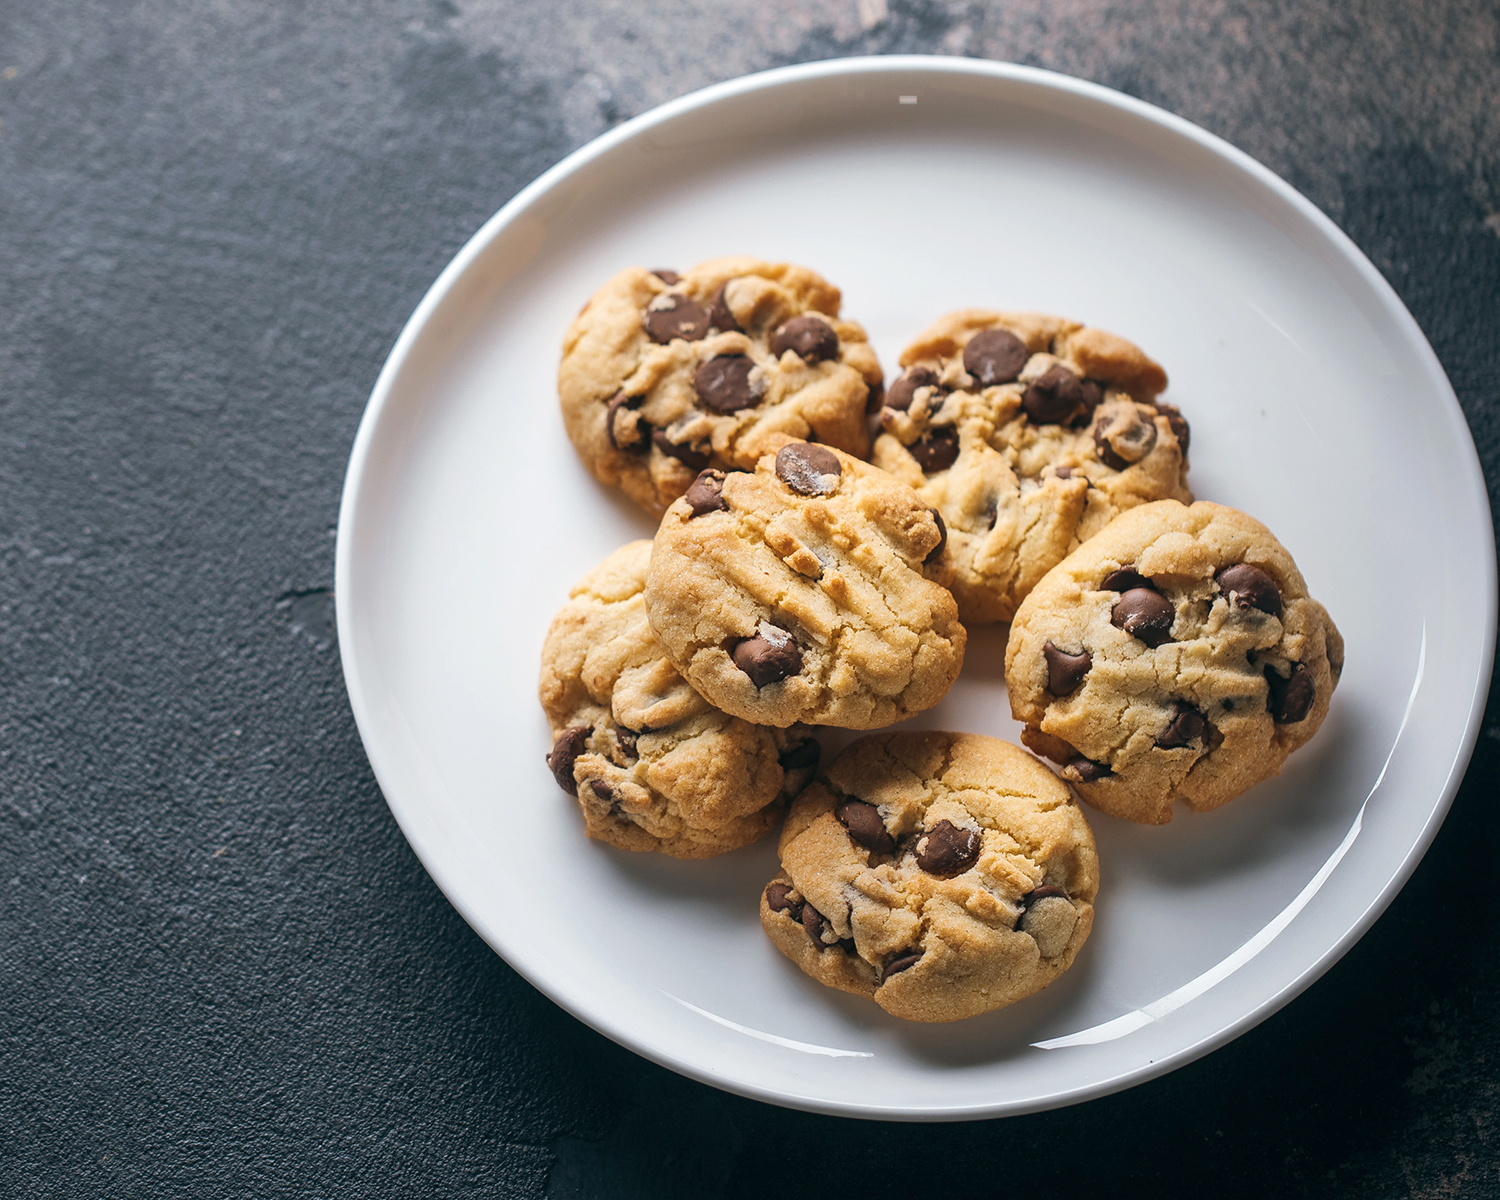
719, 316
694, 460
946, 850
865, 826
1248, 586
813, 922
1187, 726
1087, 769
810, 337
627, 739
898, 964
564, 753
1144, 614
875, 396
603, 792
904, 389
1290, 700
667, 275
673, 315
1041, 893
767, 659
1124, 580
1176, 421
806, 468
936, 451
706, 493
1065, 671
1055, 397
636, 441
942, 536
1063, 472
995, 356
779, 899
1123, 439
728, 383
801, 757
1093, 396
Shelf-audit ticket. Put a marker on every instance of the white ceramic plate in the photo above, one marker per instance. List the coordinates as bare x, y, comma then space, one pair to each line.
920, 185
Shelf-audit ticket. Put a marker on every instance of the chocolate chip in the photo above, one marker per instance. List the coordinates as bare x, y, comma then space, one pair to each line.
995, 356
942, 536
895, 966
779, 899
801, 757
673, 315
1123, 438
1176, 421
1063, 472
633, 437
667, 275
603, 792
706, 493
1065, 671
810, 337
1187, 726
728, 383
808, 469
1055, 397
767, 657
1124, 580
1087, 769
627, 739
875, 396
865, 826
813, 922
1248, 586
904, 389
1093, 396
694, 460
1041, 893
1144, 614
719, 315
564, 753
946, 850
1290, 700
935, 452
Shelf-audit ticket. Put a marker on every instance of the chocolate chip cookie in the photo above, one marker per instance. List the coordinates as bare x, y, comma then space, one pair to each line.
1176, 655
805, 591
1028, 433
941, 874
664, 374
652, 764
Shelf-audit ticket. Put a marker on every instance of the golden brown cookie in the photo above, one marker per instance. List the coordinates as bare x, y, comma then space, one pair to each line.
1028, 433
940, 874
664, 374
652, 764
803, 591
1176, 655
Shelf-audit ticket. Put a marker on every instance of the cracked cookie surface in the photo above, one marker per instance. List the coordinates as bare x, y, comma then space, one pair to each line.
1176, 655
797, 592
664, 374
942, 875
1029, 433
652, 764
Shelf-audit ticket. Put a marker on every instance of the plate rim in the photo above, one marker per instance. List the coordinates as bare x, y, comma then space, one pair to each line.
874, 66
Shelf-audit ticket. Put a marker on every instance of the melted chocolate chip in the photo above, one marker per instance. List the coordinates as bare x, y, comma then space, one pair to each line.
946, 850
904, 389
1065, 671
936, 451
1187, 726
1041, 893
1124, 580
1247, 586
1123, 439
630, 437
808, 469
1144, 614
667, 275
995, 356
810, 337
719, 315
779, 899
1087, 769
767, 659
801, 757
1093, 396
728, 383
1063, 472
1176, 421
875, 396
673, 315
694, 460
603, 792
1055, 397
942, 536
627, 739
706, 493
813, 922
564, 753
865, 826
895, 966
1290, 700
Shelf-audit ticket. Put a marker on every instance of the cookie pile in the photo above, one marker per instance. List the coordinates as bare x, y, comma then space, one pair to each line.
823, 542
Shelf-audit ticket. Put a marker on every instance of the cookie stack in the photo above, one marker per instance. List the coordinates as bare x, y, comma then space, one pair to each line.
824, 541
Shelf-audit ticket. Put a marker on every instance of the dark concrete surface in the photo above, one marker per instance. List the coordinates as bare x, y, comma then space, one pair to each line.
222, 971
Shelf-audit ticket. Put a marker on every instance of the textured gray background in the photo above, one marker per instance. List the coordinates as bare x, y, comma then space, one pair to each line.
222, 971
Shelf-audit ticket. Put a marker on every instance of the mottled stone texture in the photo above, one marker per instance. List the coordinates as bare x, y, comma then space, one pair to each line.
222, 971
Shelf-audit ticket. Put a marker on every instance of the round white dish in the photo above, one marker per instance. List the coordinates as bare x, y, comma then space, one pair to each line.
919, 185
